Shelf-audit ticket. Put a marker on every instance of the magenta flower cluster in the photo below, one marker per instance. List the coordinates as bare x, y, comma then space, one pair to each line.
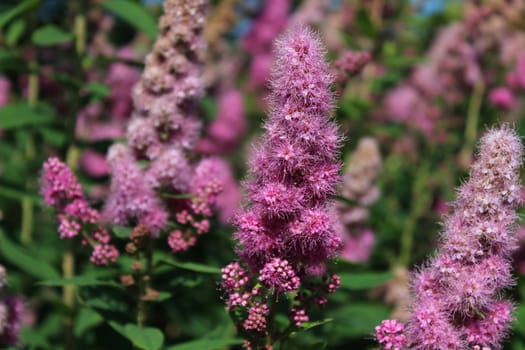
295, 168
390, 334
61, 190
286, 235
458, 295
151, 175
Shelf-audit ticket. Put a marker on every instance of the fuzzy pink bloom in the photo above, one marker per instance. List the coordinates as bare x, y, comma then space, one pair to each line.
502, 97
295, 169
286, 233
458, 294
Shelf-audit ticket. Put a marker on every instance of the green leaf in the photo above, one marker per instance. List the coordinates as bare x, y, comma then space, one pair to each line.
364, 280
193, 266
97, 89
209, 108
208, 344
365, 24
145, 338
25, 261
345, 200
118, 328
78, 281
517, 344
53, 137
15, 31
308, 325
14, 193
33, 339
178, 195
356, 320
85, 320
50, 35
162, 297
21, 115
134, 14
519, 323
186, 282
105, 303
7, 16
121, 231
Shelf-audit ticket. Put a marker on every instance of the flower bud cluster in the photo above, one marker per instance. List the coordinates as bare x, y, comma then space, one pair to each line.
61, 190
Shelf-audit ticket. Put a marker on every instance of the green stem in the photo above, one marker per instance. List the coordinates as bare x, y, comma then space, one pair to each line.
68, 293
80, 33
420, 200
27, 224
144, 281
68, 259
471, 126
271, 318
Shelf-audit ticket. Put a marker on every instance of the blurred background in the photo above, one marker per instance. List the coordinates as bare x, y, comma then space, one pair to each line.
417, 83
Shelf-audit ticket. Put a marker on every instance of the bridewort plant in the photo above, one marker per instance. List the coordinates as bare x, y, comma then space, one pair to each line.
287, 234
458, 302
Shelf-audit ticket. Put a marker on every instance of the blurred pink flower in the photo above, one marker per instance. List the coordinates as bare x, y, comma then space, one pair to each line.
229, 199
229, 127
5, 87
259, 40
94, 163
502, 97
406, 104
358, 247
260, 70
